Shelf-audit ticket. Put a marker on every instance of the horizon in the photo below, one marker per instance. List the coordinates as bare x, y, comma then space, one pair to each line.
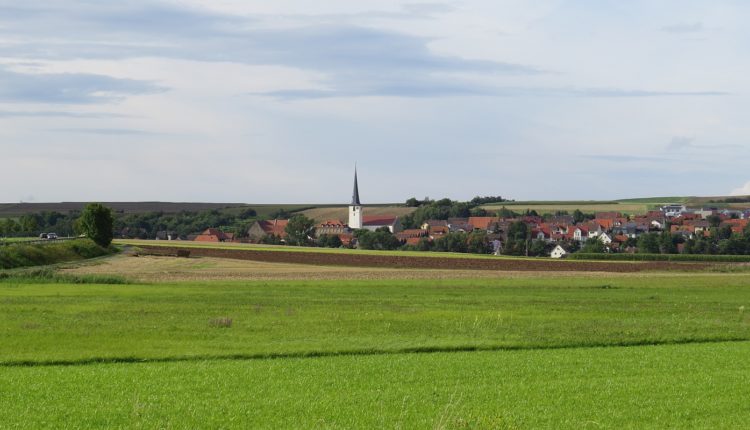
197, 101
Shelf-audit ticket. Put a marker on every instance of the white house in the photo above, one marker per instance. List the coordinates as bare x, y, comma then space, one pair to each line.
558, 252
605, 239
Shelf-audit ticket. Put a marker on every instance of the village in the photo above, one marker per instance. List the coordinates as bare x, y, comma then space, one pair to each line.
553, 235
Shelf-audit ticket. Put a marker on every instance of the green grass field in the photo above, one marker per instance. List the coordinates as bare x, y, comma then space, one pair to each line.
638, 351
673, 386
158, 321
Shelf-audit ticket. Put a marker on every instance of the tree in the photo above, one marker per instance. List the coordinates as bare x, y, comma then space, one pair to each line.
300, 230
668, 243
382, 238
413, 202
248, 213
518, 235
724, 232
30, 223
8, 227
649, 244
424, 244
714, 220
478, 244
506, 213
452, 242
329, 241
538, 248
97, 223
594, 246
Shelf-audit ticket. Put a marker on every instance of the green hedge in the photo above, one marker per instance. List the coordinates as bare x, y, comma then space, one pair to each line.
661, 257
20, 255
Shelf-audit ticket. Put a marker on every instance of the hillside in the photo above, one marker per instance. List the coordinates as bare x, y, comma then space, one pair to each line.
342, 212
628, 206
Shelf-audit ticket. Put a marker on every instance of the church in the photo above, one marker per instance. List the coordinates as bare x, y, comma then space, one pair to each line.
357, 219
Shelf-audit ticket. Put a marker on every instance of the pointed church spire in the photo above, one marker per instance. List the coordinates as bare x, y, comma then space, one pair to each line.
355, 193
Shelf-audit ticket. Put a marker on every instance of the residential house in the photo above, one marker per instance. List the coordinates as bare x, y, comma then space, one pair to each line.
374, 222
332, 227
671, 211
558, 252
434, 223
261, 229
460, 225
213, 235
486, 223
415, 233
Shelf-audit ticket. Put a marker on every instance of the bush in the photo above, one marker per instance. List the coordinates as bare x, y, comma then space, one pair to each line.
20, 255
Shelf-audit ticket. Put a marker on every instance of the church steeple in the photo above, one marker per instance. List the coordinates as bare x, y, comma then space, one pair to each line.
355, 209
355, 193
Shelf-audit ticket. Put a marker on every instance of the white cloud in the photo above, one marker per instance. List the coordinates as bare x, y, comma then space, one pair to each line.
477, 97
742, 191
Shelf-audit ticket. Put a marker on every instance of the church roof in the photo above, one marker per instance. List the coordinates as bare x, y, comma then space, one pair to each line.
355, 193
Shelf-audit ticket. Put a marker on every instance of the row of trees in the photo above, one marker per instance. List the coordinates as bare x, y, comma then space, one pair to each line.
722, 241
136, 226
95, 222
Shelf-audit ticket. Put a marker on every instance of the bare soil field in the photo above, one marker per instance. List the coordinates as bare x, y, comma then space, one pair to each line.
390, 261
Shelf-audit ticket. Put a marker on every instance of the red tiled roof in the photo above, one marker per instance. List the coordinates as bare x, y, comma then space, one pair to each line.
275, 226
413, 240
439, 229
482, 222
332, 223
378, 220
606, 223
213, 235
620, 238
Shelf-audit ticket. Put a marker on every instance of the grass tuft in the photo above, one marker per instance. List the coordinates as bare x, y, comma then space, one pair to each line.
222, 322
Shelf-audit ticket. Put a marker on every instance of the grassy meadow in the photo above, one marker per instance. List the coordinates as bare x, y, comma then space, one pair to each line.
86, 347
669, 386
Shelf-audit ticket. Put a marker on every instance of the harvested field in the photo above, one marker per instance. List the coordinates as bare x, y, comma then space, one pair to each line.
411, 262
541, 208
150, 268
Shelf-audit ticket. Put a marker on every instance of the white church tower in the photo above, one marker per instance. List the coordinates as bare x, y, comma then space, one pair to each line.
355, 209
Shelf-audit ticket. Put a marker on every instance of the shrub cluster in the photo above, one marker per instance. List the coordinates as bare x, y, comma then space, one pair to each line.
23, 255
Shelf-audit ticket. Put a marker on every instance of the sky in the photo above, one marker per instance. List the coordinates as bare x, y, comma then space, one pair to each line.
274, 102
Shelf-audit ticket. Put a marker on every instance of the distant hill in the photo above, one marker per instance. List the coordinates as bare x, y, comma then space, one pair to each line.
17, 209
14, 210
627, 206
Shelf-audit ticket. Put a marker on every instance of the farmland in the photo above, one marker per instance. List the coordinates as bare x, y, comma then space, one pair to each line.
232, 343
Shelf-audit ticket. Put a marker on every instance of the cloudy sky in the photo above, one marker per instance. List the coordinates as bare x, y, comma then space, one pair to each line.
269, 102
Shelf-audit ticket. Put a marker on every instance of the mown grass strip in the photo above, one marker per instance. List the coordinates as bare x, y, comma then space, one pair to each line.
579, 256
365, 352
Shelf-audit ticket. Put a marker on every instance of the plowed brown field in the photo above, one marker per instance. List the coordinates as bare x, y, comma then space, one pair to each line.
411, 262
